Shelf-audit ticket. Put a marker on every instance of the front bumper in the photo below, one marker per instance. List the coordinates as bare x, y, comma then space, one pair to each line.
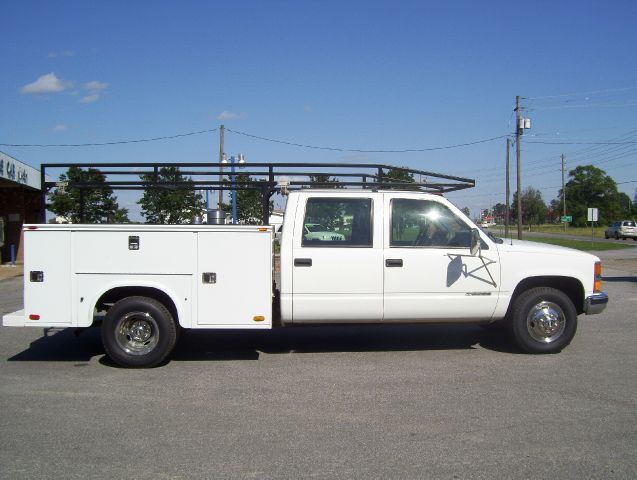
596, 303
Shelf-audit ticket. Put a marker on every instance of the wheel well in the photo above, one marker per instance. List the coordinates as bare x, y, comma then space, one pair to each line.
114, 295
569, 285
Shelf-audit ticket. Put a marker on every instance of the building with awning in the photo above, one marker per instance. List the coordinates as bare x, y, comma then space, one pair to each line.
19, 204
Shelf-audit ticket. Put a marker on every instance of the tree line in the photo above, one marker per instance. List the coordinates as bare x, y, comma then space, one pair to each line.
165, 205
587, 187
100, 205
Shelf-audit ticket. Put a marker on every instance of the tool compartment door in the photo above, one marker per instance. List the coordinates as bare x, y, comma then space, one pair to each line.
234, 279
47, 294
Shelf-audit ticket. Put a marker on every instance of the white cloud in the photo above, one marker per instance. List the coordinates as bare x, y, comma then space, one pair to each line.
95, 86
226, 115
48, 83
89, 98
65, 53
95, 89
60, 127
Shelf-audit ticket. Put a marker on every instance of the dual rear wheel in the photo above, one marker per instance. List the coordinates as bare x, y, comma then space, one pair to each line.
139, 332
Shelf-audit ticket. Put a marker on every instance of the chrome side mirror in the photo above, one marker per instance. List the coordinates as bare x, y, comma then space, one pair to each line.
475, 242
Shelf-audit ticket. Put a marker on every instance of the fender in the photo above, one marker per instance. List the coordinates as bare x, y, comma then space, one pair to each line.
180, 296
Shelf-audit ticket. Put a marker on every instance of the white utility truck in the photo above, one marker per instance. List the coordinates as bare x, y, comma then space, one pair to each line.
382, 257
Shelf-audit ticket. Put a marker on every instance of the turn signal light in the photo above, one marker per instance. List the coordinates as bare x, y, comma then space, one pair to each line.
34, 316
597, 284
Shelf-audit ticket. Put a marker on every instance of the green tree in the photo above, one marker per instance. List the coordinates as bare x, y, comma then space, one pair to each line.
249, 202
325, 181
466, 211
398, 175
100, 205
499, 212
166, 204
625, 205
590, 187
534, 209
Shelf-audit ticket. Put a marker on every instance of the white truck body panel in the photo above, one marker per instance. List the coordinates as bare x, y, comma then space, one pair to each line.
51, 299
80, 263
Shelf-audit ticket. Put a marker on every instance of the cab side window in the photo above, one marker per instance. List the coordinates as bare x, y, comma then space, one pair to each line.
425, 223
337, 222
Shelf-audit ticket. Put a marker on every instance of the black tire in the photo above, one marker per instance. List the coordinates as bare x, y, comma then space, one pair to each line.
616, 236
606, 236
543, 320
138, 332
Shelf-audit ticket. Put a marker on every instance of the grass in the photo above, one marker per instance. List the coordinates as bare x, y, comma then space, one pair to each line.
579, 231
586, 245
584, 232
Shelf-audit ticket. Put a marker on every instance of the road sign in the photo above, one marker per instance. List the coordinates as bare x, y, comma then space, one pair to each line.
566, 218
593, 214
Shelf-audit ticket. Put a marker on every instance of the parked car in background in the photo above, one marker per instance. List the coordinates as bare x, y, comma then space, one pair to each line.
315, 231
623, 229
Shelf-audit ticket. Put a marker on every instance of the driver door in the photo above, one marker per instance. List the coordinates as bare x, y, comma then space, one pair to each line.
430, 274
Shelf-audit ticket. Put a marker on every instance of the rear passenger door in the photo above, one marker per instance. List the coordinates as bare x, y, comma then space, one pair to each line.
337, 259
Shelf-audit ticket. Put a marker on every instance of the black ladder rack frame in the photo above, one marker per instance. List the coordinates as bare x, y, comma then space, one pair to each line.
265, 177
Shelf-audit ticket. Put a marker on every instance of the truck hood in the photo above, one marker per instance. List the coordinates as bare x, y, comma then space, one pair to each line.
523, 246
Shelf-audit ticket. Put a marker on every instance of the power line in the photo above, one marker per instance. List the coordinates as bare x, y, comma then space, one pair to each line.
357, 150
584, 93
119, 142
581, 143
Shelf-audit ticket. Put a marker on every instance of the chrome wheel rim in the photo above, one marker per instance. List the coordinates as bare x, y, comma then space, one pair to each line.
137, 333
546, 322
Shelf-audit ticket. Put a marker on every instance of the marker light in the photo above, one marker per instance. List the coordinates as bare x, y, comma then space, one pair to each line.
258, 318
34, 316
597, 284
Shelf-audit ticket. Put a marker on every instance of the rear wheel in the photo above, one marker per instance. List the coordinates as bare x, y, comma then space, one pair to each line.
543, 320
616, 236
138, 332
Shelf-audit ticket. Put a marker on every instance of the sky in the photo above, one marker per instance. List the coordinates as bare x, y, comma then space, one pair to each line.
357, 75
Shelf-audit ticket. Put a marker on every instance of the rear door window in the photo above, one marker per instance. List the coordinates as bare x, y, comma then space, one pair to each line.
337, 222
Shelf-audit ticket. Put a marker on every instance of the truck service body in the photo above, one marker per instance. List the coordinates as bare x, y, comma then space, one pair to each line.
394, 257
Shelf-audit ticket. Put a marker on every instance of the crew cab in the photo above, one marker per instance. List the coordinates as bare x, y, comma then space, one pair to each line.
381, 257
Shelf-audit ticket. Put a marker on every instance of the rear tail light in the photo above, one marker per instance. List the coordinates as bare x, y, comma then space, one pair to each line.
597, 284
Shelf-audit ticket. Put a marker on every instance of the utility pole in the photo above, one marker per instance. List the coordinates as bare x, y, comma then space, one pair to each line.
563, 190
507, 211
221, 129
518, 136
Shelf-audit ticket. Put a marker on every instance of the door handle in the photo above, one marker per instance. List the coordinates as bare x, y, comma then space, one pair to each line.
302, 262
394, 262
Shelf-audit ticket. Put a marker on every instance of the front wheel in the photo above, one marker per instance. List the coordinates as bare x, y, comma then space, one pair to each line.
138, 332
543, 320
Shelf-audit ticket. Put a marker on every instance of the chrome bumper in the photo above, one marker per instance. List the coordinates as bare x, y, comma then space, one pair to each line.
596, 303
